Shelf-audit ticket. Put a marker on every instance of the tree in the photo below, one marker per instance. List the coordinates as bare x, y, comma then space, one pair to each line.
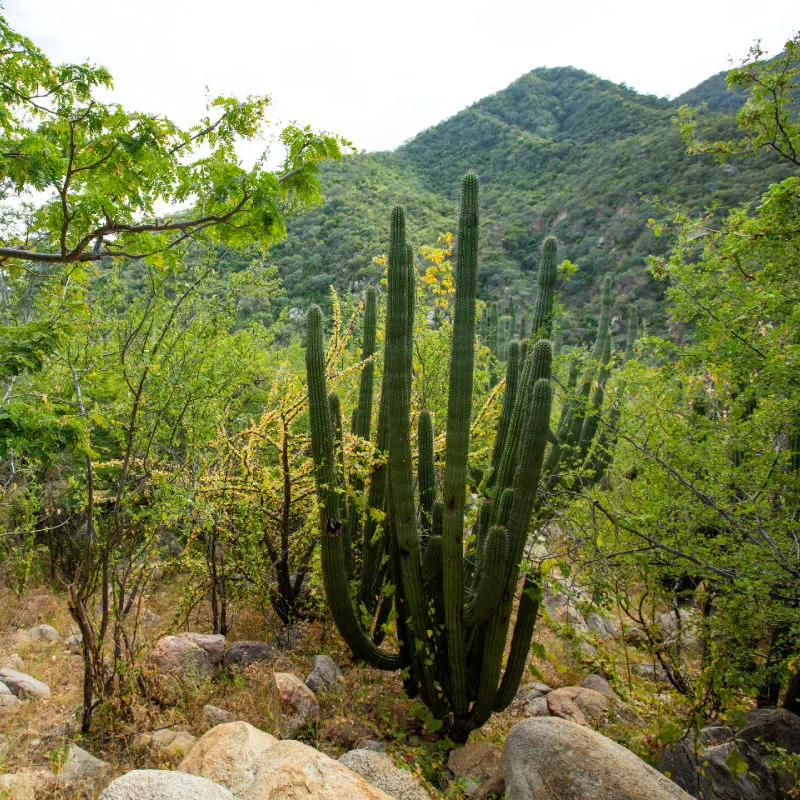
103, 291
96, 175
707, 488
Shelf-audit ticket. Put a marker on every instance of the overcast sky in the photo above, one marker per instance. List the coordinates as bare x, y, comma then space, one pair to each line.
379, 72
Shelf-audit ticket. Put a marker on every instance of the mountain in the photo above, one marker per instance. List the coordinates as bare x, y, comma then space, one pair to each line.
558, 151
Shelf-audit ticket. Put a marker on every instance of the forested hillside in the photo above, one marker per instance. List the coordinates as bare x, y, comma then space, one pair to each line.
558, 151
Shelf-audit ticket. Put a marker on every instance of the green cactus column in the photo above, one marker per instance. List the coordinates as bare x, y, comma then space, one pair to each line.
459, 411
335, 554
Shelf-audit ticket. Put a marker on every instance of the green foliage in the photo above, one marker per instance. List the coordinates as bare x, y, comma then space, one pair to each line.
558, 151
104, 170
705, 487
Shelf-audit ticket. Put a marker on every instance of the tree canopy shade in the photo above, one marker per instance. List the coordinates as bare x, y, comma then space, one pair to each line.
82, 179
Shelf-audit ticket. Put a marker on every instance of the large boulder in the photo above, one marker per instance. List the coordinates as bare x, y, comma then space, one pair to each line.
188, 653
81, 767
379, 770
157, 784
478, 761
38, 635
299, 704
22, 685
776, 725
184, 657
553, 759
324, 674
707, 772
241, 654
290, 769
228, 754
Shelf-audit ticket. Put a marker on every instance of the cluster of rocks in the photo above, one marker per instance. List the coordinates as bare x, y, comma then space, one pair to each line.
706, 765
237, 760
16, 686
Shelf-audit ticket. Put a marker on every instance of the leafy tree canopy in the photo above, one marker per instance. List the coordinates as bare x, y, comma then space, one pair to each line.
94, 176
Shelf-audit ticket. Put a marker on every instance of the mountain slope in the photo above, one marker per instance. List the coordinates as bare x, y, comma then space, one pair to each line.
558, 151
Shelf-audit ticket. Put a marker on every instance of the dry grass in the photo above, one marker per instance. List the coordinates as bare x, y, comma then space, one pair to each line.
368, 704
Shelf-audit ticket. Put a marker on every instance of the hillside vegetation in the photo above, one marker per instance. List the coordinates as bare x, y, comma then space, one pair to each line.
558, 151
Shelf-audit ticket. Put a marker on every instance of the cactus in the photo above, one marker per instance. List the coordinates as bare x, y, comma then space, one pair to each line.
453, 602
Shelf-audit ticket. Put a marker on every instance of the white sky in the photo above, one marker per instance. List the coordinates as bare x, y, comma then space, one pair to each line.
378, 73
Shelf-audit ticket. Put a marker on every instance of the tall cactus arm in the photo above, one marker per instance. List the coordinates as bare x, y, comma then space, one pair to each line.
334, 557
491, 575
520, 643
542, 325
401, 481
509, 398
459, 408
363, 412
426, 469
526, 481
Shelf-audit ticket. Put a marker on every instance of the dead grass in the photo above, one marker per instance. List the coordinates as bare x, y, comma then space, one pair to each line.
368, 704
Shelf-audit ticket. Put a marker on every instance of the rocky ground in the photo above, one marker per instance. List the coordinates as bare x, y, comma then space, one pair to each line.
274, 713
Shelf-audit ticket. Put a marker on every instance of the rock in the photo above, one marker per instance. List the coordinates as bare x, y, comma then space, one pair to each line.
536, 686
8, 703
82, 767
598, 683
776, 725
324, 674
636, 637
380, 771
35, 609
22, 685
553, 759
173, 741
708, 771
479, 761
604, 627
290, 769
157, 784
584, 706
240, 654
298, 703
38, 635
74, 643
28, 784
537, 707
212, 715
184, 657
14, 662
228, 754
